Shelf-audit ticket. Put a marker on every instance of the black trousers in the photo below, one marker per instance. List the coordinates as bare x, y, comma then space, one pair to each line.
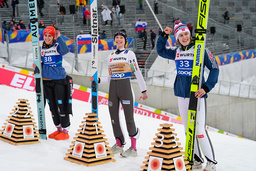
145, 43
13, 11
153, 43
120, 91
57, 94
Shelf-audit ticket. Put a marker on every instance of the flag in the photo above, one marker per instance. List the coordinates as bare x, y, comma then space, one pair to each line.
83, 39
140, 25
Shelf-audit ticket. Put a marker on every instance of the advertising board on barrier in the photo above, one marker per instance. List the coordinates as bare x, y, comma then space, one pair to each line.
23, 79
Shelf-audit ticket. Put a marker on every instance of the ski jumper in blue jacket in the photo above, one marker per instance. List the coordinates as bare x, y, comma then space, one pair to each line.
57, 85
183, 56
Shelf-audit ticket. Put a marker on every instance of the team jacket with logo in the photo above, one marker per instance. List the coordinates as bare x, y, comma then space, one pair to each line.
184, 65
122, 65
52, 60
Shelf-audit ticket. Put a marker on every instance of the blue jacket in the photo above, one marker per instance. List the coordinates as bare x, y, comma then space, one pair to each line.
183, 82
52, 60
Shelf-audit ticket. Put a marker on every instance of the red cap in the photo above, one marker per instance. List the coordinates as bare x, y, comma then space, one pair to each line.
50, 30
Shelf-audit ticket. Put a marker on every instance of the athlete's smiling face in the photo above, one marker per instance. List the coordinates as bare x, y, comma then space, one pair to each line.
48, 38
184, 38
119, 41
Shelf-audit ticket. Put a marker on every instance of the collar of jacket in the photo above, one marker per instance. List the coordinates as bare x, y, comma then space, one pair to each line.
119, 51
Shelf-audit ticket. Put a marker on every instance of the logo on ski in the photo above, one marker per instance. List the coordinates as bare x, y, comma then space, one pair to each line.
198, 55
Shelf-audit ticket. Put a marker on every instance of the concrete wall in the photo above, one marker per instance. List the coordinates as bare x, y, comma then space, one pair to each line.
231, 114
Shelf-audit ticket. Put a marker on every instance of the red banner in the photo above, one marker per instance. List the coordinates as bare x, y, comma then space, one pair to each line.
27, 82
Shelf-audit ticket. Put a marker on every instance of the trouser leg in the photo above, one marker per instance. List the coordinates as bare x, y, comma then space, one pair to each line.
61, 98
56, 96
127, 101
50, 98
113, 105
183, 104
202, 135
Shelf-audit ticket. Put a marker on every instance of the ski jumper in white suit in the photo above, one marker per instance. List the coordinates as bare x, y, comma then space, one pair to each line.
122, 63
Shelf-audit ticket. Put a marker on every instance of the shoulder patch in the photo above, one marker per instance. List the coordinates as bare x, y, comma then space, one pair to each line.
126, 51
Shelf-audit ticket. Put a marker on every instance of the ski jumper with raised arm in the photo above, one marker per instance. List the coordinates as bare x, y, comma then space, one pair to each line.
183, 57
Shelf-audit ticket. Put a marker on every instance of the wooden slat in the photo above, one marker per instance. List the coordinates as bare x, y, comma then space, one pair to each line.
167, 141
90, 123
90, 127
166, 130
90, 141
166, 146
20, 111
89, 146
167, 135
166, 125
90, 119
21, 135
90, 150
19, 143
24, 123
89, 164
169, 156
90, 132
19, 140
19, 126
21, 119
23, 100
90, 159
167, 151
91, 114
22, 104
23, 116
23, 108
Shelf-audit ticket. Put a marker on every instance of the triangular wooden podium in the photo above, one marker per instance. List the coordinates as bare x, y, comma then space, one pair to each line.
165, 148
20, 128
90, 147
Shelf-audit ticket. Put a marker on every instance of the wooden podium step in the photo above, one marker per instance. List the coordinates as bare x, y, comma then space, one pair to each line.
90, 147
20, 128
165, 151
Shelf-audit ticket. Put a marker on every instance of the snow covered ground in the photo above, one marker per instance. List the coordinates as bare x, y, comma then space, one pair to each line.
232, 154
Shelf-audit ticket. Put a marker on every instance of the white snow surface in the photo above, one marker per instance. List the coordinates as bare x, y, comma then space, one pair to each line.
232, 154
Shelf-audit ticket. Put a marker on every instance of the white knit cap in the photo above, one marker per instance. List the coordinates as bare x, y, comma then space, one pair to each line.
179, 28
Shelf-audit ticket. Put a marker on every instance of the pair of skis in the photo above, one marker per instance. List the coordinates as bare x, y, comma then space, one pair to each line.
196, 81
32, 5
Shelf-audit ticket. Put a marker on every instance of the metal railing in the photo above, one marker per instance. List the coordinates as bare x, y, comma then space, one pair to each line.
166, 79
